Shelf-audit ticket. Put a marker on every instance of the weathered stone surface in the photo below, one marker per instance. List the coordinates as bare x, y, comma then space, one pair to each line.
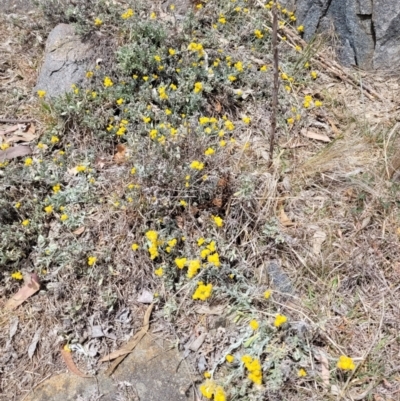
150, 373
369, 30
66, 61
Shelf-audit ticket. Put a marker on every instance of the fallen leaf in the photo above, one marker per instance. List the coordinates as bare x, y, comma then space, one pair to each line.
284, 219
23, 136
33, 344
79, 230
73, 171
9, 130
97, 332
333, 126
146, 297
210, 310
318, 239
120, 354
16, 151
198, 342
13, 327
315, 135
30, 287
217, 202
66, 354
218, 107
323, 360
119, 157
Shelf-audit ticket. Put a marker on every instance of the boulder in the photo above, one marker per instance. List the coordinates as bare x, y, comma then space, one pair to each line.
368, 30
66, 61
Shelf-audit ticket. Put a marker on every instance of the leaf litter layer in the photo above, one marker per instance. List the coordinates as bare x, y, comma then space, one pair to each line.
176, 147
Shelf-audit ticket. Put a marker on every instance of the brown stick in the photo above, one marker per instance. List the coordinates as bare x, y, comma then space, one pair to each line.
276, 82
15, 121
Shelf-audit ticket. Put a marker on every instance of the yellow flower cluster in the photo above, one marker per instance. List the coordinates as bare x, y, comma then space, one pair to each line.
17, 276
280, 320
209, 389
258, 34
108, 82
161, 91
91, 260
254, 368
98, 22
56, 188
127, 14
219, 222
41, 93
152, 236
203, 291
196, 47
194, 266
196, 165
122, 127
198, 87
345, 363
254, 324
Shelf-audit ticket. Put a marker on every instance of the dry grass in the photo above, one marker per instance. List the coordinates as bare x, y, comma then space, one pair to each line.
345, 297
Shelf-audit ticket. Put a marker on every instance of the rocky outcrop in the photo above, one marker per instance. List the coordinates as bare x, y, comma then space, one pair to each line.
368, 30
66, 61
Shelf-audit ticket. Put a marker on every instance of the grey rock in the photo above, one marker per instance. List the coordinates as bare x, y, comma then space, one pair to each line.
279, 279
368, 30
149, 373
66, 61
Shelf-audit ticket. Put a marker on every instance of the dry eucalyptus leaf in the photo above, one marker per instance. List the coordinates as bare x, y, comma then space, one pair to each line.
13, 327
66, 354
284, 219
30, 287
318, 239
210, 310
146, 297
14, 152
120, 156
79, 230
315, 135
321, 357
198, 342
34, 342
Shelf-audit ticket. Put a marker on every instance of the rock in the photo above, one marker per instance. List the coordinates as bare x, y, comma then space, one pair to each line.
66, 61
149, 373
369, 30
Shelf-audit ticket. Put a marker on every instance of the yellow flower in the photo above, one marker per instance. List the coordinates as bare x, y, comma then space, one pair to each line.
28, 161
98, 21
153, 15
267, 294
171, 52
264, 68
239, 66
91, 260
222, 19
208, 388
209, 152
173, 87
298, 48
41, 93
219, 394
246, 120
232, 78
302, 373
94, 95
254, 368
89, 74
200, 241
292, 18
5, 146
17, 205
280, 320
157, 58
214, 259
318, 103
211, 246
17, 275
64, 217
159, 272
218, 221
196, 165
222, 143
345, 363
54, 139
135, 247
172, 242
307, 65
152, 236
25, 223
108, 82
172, 7
198, 87
180, 262
314, 74
203, 291
80, 168
168, 112
194, 266
258, 34
199, 6
290, 121
207, 375
127, 14
254, 324
229, 125
48, 209
230, 358
183, 203
120, 101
